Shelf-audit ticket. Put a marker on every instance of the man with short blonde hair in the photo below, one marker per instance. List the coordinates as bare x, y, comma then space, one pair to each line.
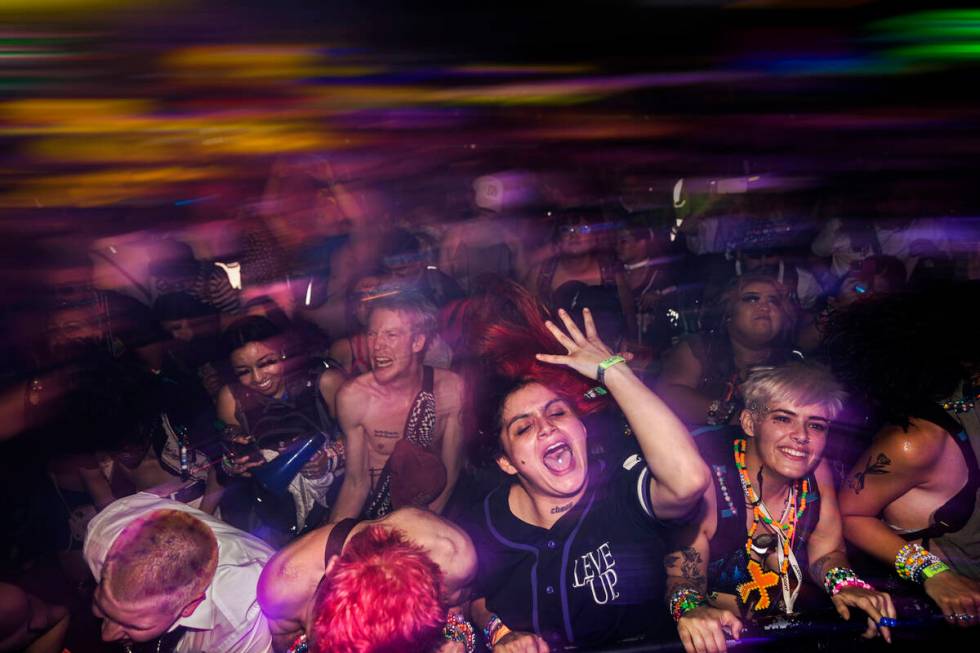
162, 566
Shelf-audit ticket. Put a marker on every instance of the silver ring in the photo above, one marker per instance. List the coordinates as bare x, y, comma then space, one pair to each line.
963, 617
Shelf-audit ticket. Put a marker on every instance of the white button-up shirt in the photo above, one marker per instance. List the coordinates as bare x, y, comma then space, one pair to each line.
229, 618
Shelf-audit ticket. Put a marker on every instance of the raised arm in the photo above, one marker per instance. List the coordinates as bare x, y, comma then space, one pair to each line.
679, 476
357, 477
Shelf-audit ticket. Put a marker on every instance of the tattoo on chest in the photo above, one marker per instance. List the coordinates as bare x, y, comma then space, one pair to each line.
879, 466
557, 510
388, 435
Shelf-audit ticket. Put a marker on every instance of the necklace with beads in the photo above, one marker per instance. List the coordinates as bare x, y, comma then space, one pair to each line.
964, 404
785, 531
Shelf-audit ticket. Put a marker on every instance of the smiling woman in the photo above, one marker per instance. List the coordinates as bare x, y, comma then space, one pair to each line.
745, 553
275, 401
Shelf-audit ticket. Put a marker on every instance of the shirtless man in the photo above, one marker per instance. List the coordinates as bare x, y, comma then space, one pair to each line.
388, 404
290, 580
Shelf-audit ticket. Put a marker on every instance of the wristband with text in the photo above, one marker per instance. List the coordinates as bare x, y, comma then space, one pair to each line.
605, 365
934, 569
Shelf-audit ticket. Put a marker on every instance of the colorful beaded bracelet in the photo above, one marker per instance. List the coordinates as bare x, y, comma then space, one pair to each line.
685, 599
912, 560
838, 578
458, 629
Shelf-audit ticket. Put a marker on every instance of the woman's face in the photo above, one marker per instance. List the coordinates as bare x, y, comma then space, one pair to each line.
630, 248
259, 367
789, 438
576, 237
758, 314
544, 443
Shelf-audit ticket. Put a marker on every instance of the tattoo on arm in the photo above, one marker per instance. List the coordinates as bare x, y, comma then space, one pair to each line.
689, 561
691, 565
879, 466
388, 435
817, 566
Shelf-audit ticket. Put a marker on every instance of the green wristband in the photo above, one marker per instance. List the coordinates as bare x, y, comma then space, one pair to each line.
934, 569
605, 365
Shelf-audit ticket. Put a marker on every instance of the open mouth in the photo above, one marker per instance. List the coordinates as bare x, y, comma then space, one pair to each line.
265, 385
382, 361
558, 458
798, 455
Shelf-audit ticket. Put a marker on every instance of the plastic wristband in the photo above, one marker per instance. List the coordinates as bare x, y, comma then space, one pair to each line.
934, 569
501, 632
494, 631
605, 365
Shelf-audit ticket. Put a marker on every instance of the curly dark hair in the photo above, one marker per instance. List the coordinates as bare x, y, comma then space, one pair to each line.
900, 351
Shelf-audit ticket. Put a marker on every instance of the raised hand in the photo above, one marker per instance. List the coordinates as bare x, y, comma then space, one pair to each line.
585, 351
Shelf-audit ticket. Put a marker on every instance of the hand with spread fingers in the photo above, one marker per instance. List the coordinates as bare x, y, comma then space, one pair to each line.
585, 350
877, 605
521, 643
957, 596
703, 630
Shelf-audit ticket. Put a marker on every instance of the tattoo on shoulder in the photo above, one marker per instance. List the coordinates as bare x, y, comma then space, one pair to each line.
879, 466
388, 435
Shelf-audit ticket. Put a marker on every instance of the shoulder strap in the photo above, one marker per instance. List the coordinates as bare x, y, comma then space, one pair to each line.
952, 515
428, 378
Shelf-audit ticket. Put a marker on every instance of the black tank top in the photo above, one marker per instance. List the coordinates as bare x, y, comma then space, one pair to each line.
728, 562
952, 515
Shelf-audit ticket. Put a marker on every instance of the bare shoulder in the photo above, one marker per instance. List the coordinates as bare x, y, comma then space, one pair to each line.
355, 393
226, 405
916, 447
290, 577
331, 378
447, 387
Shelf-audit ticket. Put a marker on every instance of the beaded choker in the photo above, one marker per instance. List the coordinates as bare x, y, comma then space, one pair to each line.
784, 530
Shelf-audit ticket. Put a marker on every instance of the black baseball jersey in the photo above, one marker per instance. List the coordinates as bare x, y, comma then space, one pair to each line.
595, 577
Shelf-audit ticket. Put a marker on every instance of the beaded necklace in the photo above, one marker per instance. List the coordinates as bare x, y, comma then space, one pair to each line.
784, 528
964, 404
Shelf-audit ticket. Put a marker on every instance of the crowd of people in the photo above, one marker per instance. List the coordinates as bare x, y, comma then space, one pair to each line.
558, 425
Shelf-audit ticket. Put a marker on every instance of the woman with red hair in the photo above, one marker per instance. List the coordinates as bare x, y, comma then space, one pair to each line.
571, 546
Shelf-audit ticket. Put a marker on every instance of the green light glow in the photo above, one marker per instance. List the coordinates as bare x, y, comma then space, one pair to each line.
940, 24
966, 50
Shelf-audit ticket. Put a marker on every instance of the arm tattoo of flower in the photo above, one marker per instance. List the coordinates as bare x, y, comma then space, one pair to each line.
877, 467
